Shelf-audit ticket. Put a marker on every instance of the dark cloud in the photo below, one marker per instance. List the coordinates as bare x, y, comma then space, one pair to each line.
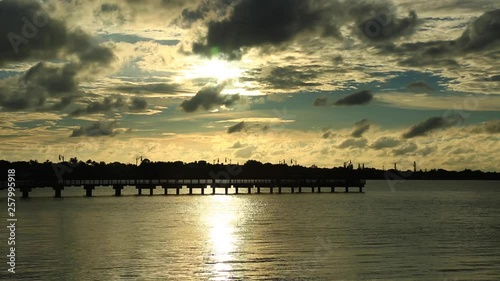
360, 128
327, 134
277, 22
244, 127
271, 22
358, 98
236, 128
107, 105
63, 103
54, 79
138, 104
481, 34
431, 124
108, 8
289, 77
110, 104
209, 97
405, 149
97, 129
322, 102
39, 84
30, 33
385, 26
495, 78
419, 86
385, 142
354, 143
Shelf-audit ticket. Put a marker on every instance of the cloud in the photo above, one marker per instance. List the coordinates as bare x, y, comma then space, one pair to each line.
419, 86
360, 128
259, 23
405, 149
209, 97
290, 77
138, 104
431, 124
243, 127
327, 134
248, 23
31, 34
321, 102
149, 88
236, 128
490, 127
245, 152
386, 25
385, 142
358, 98
97, 129
354, 143
237, 145
481, 34
110, 104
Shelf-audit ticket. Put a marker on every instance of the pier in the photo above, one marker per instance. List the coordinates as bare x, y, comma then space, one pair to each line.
196, 186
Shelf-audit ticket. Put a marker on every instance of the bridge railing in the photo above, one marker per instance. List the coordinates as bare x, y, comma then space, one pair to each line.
213, 182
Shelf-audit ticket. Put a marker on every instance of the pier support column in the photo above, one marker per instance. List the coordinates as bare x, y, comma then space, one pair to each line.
26, 192
139, 191
237, 190
300, 189
202, 191
319, 189
258, 189
312, 189
177, 191
213, 190
58, 191
293, 190
249, 190
227, 190
279, 190
88, 190
271, 190
118, 190
190, 191
151, 191
347, 189
165, 190
361, 189
332, 189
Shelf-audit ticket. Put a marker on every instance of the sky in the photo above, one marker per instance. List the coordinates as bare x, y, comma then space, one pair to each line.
313, 82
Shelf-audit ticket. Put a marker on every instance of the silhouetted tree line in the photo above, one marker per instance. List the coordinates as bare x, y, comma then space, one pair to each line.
74, 169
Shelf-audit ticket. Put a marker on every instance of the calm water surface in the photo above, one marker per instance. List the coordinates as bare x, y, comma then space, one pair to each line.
420, 230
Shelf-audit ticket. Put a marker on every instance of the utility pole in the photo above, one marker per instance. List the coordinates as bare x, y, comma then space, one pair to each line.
137, 160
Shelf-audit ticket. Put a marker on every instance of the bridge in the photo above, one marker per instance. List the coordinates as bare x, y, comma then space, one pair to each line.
249, 185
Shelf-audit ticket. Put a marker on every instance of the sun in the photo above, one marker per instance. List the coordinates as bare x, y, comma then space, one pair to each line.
216, 69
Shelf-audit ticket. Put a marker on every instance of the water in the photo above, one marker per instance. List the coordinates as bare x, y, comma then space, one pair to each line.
416, 231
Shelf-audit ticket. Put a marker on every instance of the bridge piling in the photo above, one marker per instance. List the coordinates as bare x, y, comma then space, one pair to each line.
88, 190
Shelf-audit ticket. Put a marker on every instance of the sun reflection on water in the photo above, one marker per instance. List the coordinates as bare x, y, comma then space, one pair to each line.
222, 222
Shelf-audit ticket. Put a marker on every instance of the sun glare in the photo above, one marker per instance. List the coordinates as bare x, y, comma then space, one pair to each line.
215, 68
